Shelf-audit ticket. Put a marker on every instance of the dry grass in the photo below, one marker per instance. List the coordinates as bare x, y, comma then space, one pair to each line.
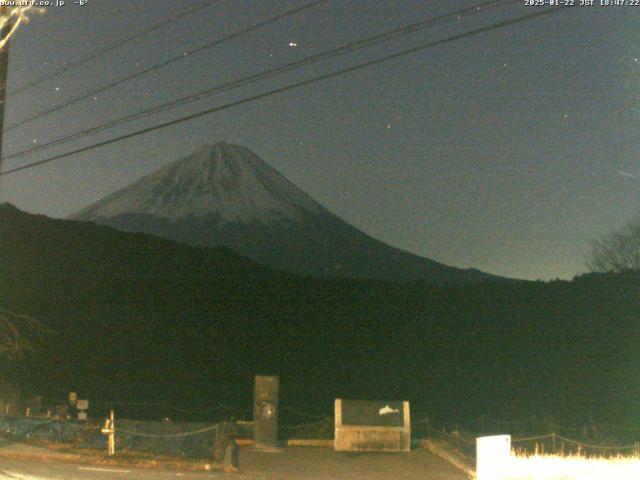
571, 467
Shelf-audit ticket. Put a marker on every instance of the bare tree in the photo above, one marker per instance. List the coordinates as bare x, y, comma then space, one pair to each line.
19, 334
618, 251
12, 17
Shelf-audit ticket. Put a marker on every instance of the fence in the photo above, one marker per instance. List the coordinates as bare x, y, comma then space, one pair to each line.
553, 443
528, 434
193, 440
549, 443
536, 426
616, 447
497, 460
51, 420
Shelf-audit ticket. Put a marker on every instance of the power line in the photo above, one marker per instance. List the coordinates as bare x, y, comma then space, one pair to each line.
293, 86
165, 63
109, 48
216, 89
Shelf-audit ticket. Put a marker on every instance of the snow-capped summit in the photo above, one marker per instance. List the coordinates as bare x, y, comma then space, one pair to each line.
226, 195
224, 180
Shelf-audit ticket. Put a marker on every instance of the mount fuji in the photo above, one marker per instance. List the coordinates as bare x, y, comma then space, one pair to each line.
224, 194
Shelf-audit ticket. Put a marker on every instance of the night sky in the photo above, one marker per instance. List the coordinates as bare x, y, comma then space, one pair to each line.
507, 151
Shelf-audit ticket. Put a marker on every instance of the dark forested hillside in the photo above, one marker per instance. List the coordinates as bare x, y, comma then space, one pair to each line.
143, 319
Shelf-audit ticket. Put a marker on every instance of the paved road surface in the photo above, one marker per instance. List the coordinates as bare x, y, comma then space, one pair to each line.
311, 463
295, 463
21, 469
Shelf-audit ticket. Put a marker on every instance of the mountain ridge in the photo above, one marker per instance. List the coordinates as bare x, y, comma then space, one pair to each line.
224, 194
227, 179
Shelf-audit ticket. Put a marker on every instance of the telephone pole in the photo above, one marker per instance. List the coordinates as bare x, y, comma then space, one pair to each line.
4, 67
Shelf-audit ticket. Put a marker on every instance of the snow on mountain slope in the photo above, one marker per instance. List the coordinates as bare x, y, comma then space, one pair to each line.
228, 181
225, 195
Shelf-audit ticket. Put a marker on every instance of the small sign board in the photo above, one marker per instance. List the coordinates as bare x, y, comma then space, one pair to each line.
82, 415
82, 404
73, 396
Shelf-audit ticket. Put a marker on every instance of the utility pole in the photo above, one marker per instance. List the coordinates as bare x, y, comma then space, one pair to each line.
109, 429
4, 67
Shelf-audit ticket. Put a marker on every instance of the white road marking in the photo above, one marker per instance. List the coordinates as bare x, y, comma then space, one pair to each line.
109, 470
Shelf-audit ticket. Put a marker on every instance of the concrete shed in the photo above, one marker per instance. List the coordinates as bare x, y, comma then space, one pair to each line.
372, 426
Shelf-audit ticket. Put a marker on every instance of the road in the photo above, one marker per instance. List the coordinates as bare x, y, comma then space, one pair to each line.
24, 469
295, 463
